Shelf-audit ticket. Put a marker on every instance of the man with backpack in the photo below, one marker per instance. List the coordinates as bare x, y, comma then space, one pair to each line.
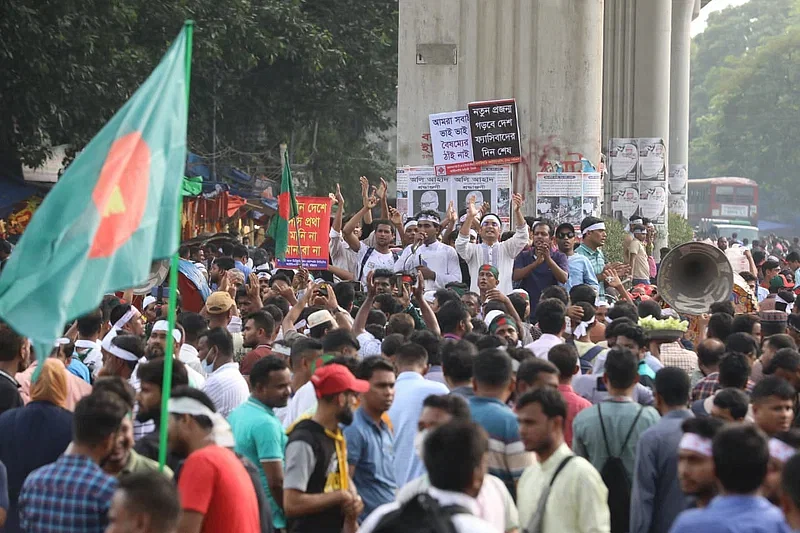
607, 433
370, 258
454, 457
561, 492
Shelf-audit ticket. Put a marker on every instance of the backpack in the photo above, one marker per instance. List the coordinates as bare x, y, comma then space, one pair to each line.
421, 514
364, 263
586, 359
616, 479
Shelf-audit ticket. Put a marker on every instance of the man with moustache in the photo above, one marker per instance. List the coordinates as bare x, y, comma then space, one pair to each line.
539, 267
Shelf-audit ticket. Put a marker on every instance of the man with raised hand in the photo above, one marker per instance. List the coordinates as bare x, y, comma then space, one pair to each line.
437, 262
490, 251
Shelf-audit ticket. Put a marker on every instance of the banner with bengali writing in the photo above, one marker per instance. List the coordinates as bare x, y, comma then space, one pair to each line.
308, 234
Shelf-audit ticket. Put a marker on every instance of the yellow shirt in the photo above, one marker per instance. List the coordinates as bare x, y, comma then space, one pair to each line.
578, 500
640, 268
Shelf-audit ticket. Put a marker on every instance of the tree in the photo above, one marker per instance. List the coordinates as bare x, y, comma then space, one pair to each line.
306, 72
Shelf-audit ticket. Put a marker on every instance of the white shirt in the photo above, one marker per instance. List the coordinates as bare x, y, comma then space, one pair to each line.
440, 258
189, 357
375, 261
227, 388
304, 399
341, 254
542, 345
500, 255
370, 346
464, 523
94, 359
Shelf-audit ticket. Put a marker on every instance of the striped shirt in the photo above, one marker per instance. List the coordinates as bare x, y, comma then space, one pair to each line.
507, 455
72, 495
598, 261
227, 388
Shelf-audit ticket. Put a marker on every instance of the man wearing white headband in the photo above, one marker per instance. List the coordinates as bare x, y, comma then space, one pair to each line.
741, 456
593, 235
782, 447
437, 262
695, 460
216, 491
636, 254
121, 354
498, 254
410, 230
128, 318
157, 347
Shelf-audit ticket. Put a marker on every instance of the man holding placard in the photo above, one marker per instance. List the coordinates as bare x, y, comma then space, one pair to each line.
437, 262
491, 252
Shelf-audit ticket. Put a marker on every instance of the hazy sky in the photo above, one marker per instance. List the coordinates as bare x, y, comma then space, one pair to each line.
699, 24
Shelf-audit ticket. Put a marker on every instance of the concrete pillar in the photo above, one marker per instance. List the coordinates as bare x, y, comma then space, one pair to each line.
652, 69
545, 53
682, 14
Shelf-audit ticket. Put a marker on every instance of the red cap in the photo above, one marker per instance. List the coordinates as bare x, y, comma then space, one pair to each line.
333, 379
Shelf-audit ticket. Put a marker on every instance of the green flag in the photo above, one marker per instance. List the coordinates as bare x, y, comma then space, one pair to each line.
110, 215
287, 210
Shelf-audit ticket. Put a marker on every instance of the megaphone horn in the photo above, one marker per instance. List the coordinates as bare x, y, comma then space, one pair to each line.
693, 276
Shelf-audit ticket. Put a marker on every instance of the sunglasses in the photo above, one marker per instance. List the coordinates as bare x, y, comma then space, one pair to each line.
567, 235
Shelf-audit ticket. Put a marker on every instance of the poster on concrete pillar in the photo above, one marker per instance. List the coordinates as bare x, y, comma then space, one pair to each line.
678, 186
638, 172
420, 188
568, 197
623, 160
652, 159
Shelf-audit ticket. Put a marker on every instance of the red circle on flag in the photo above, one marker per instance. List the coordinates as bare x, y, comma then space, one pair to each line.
120, 194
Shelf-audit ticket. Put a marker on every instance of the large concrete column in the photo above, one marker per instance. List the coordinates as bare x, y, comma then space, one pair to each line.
651, 71
545, 53
682, 14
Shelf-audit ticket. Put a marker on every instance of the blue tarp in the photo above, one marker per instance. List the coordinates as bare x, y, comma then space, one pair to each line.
14, 190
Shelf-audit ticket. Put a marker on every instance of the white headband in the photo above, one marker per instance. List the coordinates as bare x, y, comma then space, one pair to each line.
491, 316
163, 325
263, 275
428, 218
695, 443
61, 341
122, 353
132, 312
148, 300
281, 349
106, 343
473, 233
637, 221
221, 430
411, 222
593, 227
487, 218
583, 328
780, 451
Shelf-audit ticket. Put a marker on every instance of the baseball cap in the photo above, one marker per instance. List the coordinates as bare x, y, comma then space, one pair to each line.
219, 302
334, 378
318, 318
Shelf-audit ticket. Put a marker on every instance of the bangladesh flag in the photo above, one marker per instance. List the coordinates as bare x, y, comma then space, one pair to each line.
287, 210
112, 213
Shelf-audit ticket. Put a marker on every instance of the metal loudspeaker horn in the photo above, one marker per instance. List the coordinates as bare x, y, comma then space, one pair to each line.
158, 273
693, 276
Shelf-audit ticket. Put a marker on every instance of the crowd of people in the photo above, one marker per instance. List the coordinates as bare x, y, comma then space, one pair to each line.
441, 375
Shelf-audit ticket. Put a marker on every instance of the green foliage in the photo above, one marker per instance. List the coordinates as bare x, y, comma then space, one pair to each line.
680, 231
745, 101
615, 235
305, 72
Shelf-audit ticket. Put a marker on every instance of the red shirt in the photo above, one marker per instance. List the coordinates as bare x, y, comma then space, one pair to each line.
253, 357
214, 482
575, 404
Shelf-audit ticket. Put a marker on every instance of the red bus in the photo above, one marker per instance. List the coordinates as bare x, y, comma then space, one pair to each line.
723, 198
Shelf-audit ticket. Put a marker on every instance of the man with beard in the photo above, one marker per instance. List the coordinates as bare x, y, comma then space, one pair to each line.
370, 440
258, 432
217, 495
257, 334
498, 254
575, 497
157, 347
318, 494
151, 378
121, 354
219, 269
73, 493
14, 354
127, 318
437, 262
539, 267
124, 460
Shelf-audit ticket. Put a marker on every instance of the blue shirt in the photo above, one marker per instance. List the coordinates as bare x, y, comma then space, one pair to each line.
733, 514
72, 495
598, 262
656, 498
540, 277
259, 436
410, 390
370, 449
31, 437
244, 268
581, 272
77, 367
507, 455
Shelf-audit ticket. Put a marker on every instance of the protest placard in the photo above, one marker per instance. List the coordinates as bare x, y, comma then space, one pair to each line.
420, 188
311, 226
452, 143
495, 132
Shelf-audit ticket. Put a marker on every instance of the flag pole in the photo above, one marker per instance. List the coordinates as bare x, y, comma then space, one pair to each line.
284, 164
166, 385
